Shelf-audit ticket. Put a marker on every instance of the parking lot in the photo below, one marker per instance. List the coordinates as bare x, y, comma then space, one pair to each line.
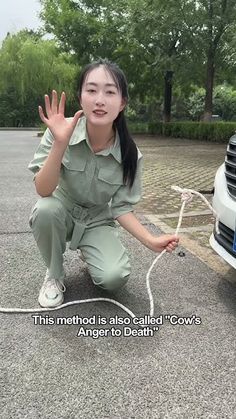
180, 370
188, 164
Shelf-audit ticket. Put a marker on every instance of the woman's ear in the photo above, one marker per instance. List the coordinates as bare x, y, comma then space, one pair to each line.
81, 107
123, 104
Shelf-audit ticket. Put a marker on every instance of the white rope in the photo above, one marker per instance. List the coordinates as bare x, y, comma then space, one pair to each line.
186, 196
188, 193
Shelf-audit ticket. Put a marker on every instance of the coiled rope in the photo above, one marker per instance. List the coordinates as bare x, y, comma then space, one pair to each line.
186, 196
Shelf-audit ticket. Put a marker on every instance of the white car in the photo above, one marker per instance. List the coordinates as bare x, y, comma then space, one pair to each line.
224, 203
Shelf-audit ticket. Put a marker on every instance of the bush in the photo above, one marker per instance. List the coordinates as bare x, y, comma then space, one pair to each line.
225, 102
137, 127
194, 105
212, 131
155, 127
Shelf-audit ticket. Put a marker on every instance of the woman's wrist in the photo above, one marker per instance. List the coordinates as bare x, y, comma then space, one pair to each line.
148, 241
59, 146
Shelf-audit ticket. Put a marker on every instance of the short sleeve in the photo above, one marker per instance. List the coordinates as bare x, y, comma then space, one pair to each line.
41, 153
124, 199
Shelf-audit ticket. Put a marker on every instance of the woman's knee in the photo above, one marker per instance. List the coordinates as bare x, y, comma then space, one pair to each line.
45, 211
112, 278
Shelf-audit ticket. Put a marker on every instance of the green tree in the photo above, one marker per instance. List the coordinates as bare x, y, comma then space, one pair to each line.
124, 31
210, 24
147, 38
192, 38
29, 68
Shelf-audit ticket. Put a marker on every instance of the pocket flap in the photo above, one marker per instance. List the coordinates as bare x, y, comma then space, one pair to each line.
74, 164
113, 177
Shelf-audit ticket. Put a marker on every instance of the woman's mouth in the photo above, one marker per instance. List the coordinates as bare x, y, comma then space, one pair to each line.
99, 113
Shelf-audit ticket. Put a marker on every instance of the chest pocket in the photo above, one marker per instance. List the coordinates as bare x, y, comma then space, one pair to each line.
74, 177
78, 165
108, 183
74, 159
111, 177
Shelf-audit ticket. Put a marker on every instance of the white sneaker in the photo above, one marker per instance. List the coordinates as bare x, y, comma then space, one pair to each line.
51, 293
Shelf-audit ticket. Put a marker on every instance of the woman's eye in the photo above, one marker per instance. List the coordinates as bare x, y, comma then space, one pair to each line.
110, 92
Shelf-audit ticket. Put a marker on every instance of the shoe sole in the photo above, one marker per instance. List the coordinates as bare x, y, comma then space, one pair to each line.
51, 306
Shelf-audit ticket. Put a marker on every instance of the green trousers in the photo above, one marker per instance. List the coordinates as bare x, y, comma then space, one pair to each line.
53, 225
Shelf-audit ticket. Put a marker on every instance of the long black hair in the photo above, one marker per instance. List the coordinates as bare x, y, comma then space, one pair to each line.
129, 152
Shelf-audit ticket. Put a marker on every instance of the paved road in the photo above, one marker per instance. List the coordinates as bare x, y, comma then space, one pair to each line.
182, 371
188, 164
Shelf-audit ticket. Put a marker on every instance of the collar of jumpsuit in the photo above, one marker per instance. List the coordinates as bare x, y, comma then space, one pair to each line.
80, 134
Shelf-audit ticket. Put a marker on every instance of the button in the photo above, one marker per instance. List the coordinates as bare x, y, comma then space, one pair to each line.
76, 211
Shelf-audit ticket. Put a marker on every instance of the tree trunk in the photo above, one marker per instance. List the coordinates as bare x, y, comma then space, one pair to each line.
167, 96
209, 86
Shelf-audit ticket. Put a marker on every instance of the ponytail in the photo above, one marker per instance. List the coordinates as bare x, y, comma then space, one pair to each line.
129, 152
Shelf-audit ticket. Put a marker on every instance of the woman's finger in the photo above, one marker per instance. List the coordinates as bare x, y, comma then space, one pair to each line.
54, 102
48, 106
170, 248
42, 116
61, 108
77, 115
174, 238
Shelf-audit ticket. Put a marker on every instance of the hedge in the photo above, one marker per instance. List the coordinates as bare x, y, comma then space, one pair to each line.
138, 127
207, 131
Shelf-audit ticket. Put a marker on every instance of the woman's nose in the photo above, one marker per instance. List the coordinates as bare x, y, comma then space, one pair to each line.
100, 99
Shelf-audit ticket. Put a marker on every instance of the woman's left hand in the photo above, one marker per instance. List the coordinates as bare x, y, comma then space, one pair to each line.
169, 242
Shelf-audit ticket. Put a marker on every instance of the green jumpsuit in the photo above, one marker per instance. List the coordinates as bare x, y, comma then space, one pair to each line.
90, 195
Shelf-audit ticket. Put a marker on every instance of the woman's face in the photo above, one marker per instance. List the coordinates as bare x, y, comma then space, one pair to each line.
100, 99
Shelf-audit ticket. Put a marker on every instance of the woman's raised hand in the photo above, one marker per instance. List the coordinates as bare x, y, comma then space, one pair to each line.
60, 128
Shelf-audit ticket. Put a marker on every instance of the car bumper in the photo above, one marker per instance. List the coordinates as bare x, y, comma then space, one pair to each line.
225, 206
221, 251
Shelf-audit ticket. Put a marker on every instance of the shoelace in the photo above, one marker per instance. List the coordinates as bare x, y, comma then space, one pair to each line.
54, 284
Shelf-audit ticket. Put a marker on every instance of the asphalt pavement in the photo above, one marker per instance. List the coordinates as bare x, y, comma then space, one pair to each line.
182, 366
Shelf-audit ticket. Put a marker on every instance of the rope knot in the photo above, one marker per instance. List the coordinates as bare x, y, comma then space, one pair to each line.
186, 196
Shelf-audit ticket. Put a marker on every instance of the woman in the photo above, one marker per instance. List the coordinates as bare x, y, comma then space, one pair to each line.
88, 174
